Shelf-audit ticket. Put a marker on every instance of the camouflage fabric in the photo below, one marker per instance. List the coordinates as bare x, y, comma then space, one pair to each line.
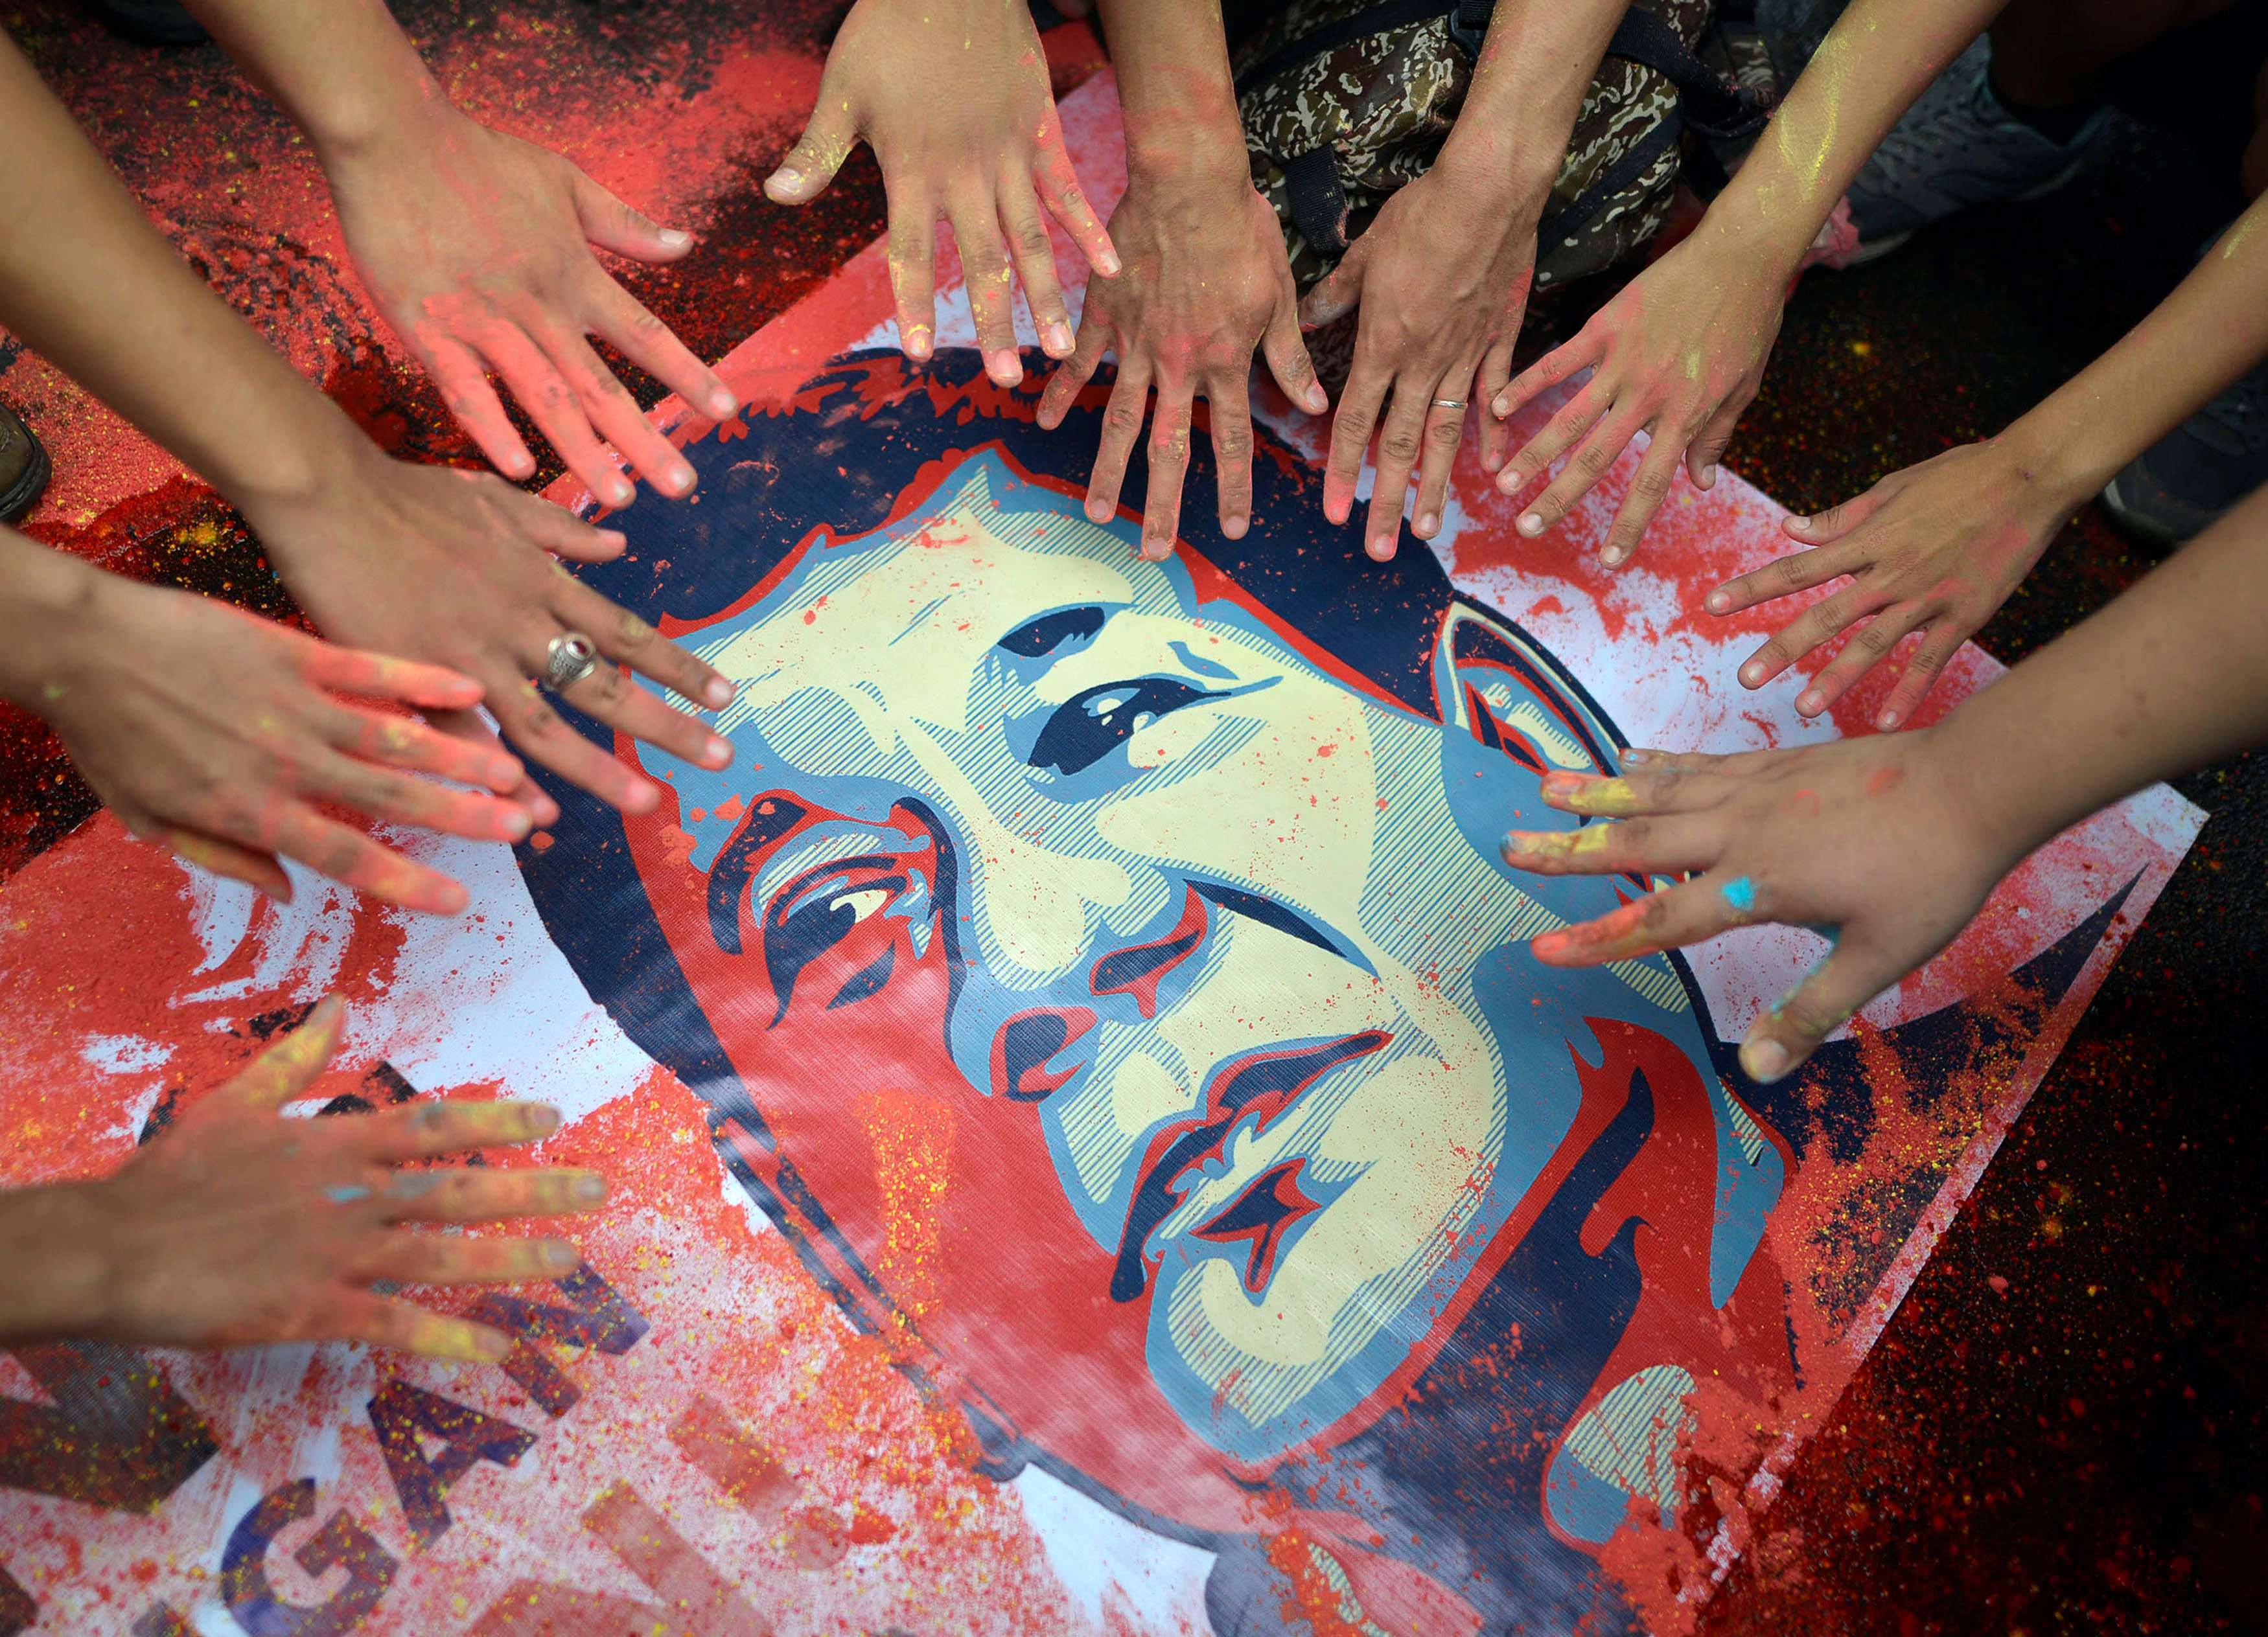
1385, 102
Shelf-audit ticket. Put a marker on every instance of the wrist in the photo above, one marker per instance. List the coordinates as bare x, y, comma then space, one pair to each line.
56, 1273
1188, 151
1987, 788
2059, 461
395, 109
1497, 173
51, 606
326, 462
1768, 245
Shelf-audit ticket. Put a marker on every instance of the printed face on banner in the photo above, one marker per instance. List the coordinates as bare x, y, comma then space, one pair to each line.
1112, 973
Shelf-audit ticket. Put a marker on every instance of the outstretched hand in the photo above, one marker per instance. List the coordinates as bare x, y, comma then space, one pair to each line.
1205, 283
237, 1226
1873, 841
953, 96
477, 248
1934, 548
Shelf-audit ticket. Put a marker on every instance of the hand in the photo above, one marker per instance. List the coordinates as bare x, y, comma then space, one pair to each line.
1677, 353
237, 1226
1874, 840
1207, 282
477, 247
1935, 548
1442, 276
459, 569
219, 735
953, 96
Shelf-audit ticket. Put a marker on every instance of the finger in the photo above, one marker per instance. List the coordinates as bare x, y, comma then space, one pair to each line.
1570, 357
467, 726
1581, 473
1056, 180
556, 408
1074, 372
651, 345
1122, 424
398, 742
1401, 439
1232, 451
1644, 787
1823, 1002
1576, 417
255, 869
1280, 343
1036, 264
1709, 447
393, 797
473, 402
293, 1063
543, 739
1671, 918
1798, 572
466, 1195
1339, 293
1496, 436
404, 1257
984, 272
623, 635
383, 1322
1634, 846
1869, 645
612, 411
330, 849
818, 153
1445, 431
429, 1130
1922, 671
913, 269
1836, 521
1821, 622
1352, 425
1656, 473
613, 225
1169, 464
559, 531
381, 676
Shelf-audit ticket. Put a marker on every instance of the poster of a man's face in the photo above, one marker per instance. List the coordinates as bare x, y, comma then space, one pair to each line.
1104, 969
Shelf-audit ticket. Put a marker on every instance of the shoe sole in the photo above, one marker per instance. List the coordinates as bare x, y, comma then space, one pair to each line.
24, 494
1871, 248
2140, 525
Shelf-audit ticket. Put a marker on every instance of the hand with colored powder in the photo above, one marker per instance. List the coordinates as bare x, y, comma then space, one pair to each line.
1206, 281
222, 736
1937, 548
1680, 351
953, 96
236, 1226
477, 246
1889, 846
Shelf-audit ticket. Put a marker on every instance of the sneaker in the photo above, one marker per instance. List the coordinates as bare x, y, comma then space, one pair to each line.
23, 466
2181, 485
149, 22
1958, 147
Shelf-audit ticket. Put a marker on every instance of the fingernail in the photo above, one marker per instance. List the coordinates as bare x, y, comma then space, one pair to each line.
1501, 408
718, 692
1549, 944
1634, 755
1382, 546
1002, 366
517, 823
1799, 523
640, 797
589, 1190
1709, 476
1233, 527
1107, 264
1762, 1059
1809, 703
717, 752
1426, 525
722, 403
1612, 555
558, 1257
1718, 602
675, 238
1491, 461
1097, 512
681, 478
787, 176
1752, 674
543, 1120
1318, 400
547, 811
917, 342
1058, 339
1887, 721
619, 492
1532, 524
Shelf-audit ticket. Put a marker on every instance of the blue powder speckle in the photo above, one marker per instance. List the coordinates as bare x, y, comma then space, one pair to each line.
1740, 894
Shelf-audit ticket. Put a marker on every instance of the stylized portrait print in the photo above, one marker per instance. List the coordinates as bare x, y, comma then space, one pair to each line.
1105, 970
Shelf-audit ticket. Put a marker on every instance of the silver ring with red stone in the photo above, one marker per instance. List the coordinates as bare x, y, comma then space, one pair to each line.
570, 657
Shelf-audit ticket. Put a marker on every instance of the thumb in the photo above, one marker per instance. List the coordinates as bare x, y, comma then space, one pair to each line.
290, 1066
1339, 293
1836, 521
1289, 364
812, 163
613, 225
1823, 1002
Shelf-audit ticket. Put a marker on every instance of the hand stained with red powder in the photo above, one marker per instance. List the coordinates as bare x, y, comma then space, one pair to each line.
953, 96
477, 248
237, 1226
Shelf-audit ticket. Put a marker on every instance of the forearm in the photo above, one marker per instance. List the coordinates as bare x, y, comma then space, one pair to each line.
1171, 58
103, 297
2211, 329
343, 69
1538, 59
1877, 58
2171, 676
52, 1270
